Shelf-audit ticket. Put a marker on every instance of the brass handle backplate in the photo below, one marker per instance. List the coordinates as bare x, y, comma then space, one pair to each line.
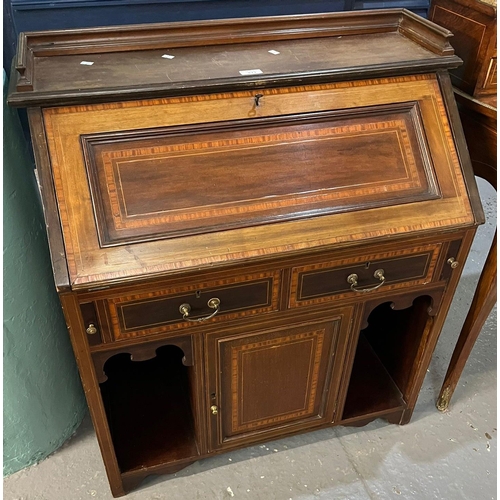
452, 262
91, 329
214, 409
352, 279
185, 310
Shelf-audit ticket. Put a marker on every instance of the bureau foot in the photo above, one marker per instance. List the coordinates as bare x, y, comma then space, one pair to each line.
404, 418
131, 480
117, 488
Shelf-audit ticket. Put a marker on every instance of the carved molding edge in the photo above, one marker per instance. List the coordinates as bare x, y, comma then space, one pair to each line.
142, 352
404, 302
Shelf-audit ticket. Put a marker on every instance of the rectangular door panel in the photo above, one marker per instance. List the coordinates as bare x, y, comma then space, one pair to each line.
276, 379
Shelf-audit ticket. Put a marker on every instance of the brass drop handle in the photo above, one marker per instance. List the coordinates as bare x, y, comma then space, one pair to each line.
352, 279
214, 409
185, 309
91, 329
452, 262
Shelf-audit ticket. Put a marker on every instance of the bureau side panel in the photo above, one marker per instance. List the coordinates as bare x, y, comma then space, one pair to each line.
48, 197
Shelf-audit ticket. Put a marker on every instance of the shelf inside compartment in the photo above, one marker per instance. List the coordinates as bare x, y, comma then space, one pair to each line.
371, 389
388, 354
149, 409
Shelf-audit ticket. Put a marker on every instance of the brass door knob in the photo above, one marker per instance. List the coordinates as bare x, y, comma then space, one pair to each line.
91, 329
214, 410
452, 262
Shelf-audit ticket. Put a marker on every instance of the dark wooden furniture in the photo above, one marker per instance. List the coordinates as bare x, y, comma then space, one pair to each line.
36, 15
474, 26
256, 226
479, 119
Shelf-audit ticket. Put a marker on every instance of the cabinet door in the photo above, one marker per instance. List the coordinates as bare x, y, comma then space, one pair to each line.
274, 381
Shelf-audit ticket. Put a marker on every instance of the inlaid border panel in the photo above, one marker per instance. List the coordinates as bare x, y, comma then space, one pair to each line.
205, 159
271, 279
431, 250
89, 264
315, 339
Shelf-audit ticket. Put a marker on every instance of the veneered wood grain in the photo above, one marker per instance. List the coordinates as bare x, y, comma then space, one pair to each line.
263, 368
283, 263
326, 281
88, 263
49, 202
157, 310
479, 122
285, 371
74, 320
104, 321
127, 59
450, 104
281, 373
473, 24
224, 62
431, 337
201, 179
480, 128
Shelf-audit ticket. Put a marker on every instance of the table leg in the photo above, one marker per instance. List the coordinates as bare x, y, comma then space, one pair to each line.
484, 299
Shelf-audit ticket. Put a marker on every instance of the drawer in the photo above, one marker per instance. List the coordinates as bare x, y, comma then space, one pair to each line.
158, 310
367, 273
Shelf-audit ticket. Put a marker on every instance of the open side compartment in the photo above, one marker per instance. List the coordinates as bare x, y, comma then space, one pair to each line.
386, 358
149, 405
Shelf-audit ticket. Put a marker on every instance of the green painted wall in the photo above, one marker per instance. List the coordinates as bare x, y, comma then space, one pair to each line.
43, 397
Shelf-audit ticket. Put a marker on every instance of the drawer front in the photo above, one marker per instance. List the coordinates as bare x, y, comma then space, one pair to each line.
355, 276
159, 310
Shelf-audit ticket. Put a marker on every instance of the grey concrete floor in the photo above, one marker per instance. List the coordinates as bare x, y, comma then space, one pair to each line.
447, 456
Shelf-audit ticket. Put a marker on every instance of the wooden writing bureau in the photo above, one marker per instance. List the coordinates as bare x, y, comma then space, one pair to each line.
248, 244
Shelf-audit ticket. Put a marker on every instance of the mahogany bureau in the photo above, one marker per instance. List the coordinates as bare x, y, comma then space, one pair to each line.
256, 226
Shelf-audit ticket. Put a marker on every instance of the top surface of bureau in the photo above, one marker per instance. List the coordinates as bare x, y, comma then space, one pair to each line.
159, 60
309, 149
